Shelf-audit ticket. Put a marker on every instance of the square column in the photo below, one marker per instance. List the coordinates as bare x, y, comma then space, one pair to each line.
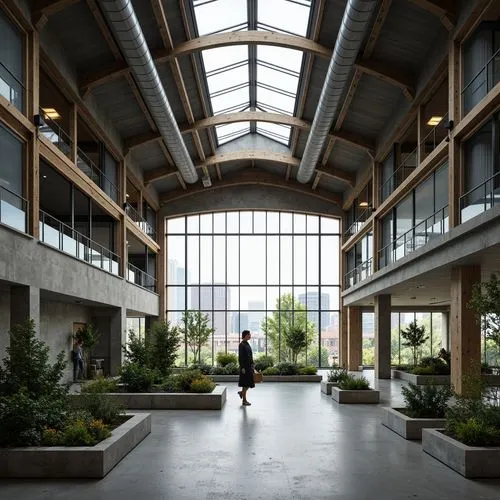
382, 306
465, 330
355, 338
117, 338
25, 304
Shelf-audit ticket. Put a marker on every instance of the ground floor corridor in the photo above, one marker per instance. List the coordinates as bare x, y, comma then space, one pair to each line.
293, 443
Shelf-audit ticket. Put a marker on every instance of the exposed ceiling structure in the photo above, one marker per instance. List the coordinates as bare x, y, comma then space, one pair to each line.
243, 79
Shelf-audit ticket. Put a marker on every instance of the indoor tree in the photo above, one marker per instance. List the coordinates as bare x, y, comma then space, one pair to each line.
295, 340
196, 331
415, 337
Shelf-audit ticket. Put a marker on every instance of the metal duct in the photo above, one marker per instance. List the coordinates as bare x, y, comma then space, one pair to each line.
355, 24
123, 21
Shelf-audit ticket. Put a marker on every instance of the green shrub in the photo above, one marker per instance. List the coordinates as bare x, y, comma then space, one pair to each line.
101, 385
402, 368
101, 407
262, 362
352, 383
203, 384
231, 369
423, 370
171, 384
226, 358
163, 341
474, 432
336, 374
186, 377
136, 350
433, 366
137, 378
308, 370
217, 370
287, 368
271, 370
204, 368
426, 401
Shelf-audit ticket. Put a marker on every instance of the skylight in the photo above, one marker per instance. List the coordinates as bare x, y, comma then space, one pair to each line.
275, 70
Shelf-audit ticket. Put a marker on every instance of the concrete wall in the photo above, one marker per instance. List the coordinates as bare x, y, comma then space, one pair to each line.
25, 261
56, 327
248, 198
4, 321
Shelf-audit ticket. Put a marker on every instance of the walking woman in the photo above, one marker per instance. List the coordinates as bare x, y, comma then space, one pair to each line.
245, 358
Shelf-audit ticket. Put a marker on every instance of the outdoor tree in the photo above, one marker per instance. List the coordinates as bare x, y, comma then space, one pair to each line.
196, 331
289, 312
295, 340
415, 337
313, 358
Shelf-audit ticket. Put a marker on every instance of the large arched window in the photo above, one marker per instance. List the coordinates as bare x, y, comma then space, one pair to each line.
257, 270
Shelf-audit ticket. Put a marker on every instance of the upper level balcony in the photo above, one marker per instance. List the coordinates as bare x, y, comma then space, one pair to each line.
140, 221
13, 210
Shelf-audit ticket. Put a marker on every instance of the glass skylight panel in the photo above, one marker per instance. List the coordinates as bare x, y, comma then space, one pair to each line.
278, 132
277, 100
287, 58
218, 81
226, 133
271, 15
219, 15
224, 56
236, 98
277, 77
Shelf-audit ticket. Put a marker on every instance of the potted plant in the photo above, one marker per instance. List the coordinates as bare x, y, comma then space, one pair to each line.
425, 407
355, 390
334, 377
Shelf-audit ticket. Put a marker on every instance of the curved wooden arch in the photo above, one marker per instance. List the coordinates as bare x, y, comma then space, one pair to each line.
206, 42
253, 177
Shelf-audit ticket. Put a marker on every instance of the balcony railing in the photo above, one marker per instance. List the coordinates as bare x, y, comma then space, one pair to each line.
11, 88
358, 223
55, 233
435, 137
141, 278
93, 172
487, 77
359, 273
13, 210
481, 198
55, 134
405, 168
143, 224
416, 237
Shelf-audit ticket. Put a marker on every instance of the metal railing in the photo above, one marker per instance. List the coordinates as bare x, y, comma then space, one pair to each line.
141, 278
143, 224
415, 238
358, 274
55, 134
486, 78
435, 137
11, 88
405, 168
13, 210
481, 198
94, 173
358, 223
55, 233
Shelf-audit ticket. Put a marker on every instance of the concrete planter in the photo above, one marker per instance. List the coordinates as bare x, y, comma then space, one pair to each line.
409, 428
326, 387
214, 400
78, 461
421, 379
270, 378
343, 396
473, 462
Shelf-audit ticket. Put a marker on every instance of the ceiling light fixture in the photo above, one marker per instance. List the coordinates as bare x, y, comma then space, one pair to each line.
434, 120
364, 204
51, 113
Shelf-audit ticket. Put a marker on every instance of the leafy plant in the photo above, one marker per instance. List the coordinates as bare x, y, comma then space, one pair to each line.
432, 366
296, 340
336, 374
204, 368
100, 385
137, 378
352, 383
196, 331
415, 337
308, 370
231, 369
287, 368
136, 350
218, 370
89, 336
203, 384
226, 358
270, 370
163, 342
101, 407
186, 377
263, 361
171, 384
426, 401
475, 432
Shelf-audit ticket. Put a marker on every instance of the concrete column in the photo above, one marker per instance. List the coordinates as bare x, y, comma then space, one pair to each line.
25, 304
382, 306
465, 330
117, 337
445, 330
343, 336
355, 339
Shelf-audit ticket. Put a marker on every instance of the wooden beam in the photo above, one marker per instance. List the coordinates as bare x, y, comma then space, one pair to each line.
252, 177
328, 150
355, 140
388, 75
141, 140
159, 173
336, 173
316, 181
377, 28
50, 7
443, 9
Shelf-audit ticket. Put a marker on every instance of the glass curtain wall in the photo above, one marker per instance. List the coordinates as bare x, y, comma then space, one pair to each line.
257, 270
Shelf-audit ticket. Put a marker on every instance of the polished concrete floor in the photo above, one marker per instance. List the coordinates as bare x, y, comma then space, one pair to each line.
293, 443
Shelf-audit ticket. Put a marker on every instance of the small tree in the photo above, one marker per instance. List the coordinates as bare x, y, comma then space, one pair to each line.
163, 342
89, 335
196, 331
135, 350
415, 337
296, 340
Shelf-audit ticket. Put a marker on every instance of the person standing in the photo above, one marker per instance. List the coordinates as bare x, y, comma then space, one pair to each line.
245, 359
77, 360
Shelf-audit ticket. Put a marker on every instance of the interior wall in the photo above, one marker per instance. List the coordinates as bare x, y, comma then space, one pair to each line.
56, 327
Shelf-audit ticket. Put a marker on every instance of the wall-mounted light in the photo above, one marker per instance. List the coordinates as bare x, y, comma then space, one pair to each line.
51, 113
434, 120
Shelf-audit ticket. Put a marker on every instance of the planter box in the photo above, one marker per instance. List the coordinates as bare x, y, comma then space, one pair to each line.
77, 461
271, 378
214, 400
474, 462
326, 387
369, 396
421, 379
408, 427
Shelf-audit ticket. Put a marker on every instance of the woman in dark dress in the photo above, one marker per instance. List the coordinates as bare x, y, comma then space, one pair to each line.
245, 358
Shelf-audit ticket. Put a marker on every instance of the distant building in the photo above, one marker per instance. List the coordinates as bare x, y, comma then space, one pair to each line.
312, 302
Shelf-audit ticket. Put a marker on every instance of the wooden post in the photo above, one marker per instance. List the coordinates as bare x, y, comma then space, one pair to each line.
73, 131
342, 361
355, 338
161, 274
420, 134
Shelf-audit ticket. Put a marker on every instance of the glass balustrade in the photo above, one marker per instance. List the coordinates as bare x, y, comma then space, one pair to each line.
481, 198
140, 221
141, 278
11, 88
13, 210
358, 274
55, 134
